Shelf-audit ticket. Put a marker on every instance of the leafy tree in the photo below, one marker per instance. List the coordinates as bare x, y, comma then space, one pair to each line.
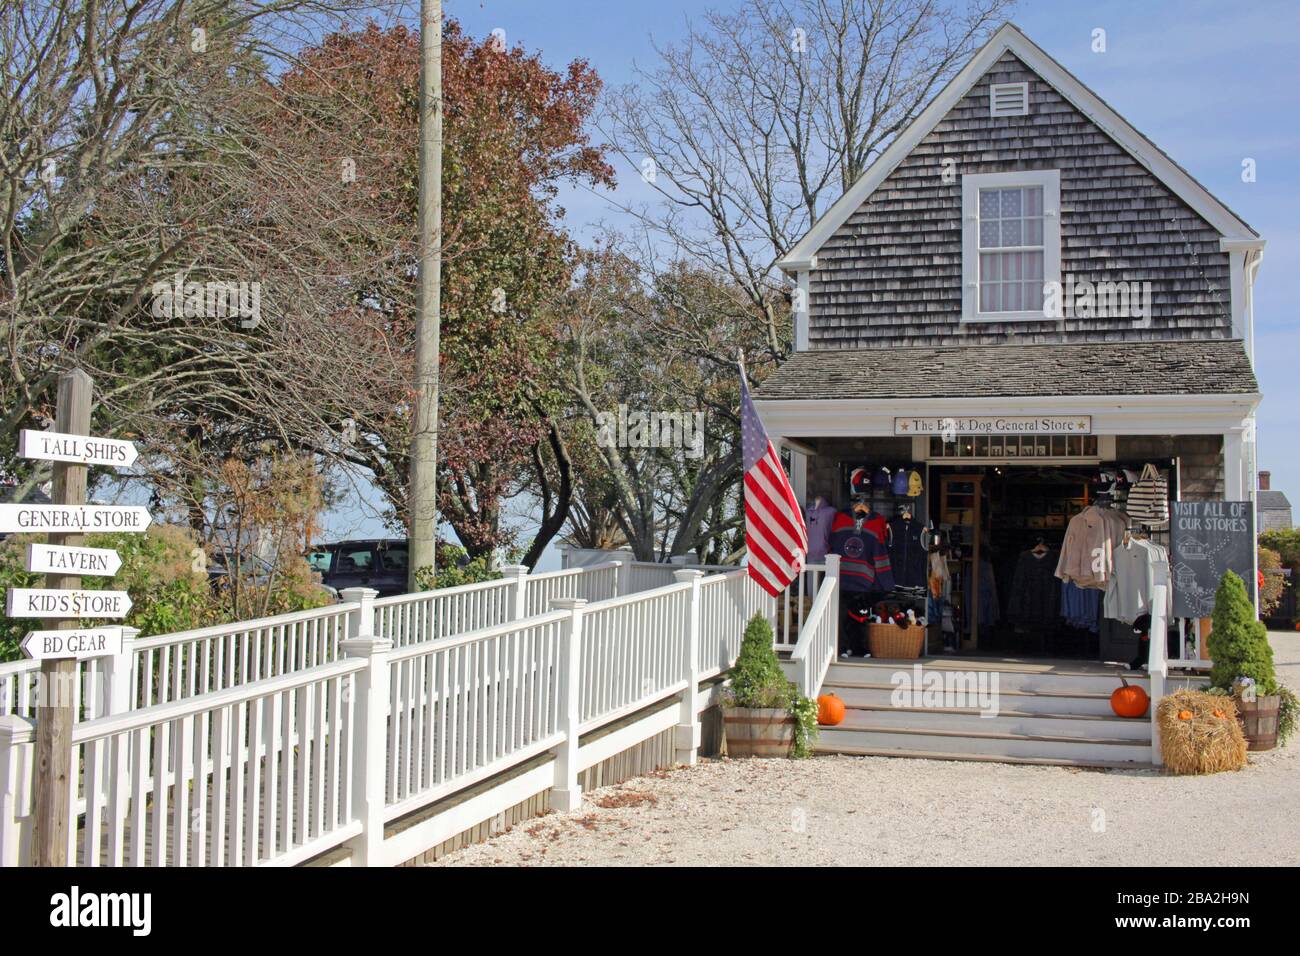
514, 130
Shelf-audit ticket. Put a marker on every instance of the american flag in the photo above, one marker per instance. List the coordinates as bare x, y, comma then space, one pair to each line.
775, 533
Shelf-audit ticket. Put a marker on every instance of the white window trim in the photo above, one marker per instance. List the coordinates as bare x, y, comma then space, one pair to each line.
971, 184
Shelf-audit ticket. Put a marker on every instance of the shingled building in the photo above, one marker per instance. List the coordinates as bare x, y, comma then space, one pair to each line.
1026, 302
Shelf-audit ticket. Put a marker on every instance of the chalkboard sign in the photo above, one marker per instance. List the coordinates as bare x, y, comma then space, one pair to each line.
1209, 537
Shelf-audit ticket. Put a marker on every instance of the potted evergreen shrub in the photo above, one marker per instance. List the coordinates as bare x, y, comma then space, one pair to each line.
1243, 665
764, 714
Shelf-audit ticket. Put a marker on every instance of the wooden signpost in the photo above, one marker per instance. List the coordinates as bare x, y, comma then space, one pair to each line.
63, 604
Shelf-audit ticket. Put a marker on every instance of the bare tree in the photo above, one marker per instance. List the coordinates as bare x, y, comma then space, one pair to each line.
132, 151
750, 126
647, 341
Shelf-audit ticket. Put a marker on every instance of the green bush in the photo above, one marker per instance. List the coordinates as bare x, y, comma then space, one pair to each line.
453, 570
1238, 642
757, 681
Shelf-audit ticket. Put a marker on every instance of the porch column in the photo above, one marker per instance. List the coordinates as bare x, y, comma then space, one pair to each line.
1239, 484
1234, 484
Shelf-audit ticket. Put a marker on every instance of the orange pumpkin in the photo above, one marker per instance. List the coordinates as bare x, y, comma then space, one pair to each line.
1129, 701
1184, 715
830, 710
1219, 713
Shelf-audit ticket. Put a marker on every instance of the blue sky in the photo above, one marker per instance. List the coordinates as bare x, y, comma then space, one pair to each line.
1210, 83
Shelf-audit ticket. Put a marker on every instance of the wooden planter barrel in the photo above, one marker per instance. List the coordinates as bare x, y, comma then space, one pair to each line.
759, 732
1259, 721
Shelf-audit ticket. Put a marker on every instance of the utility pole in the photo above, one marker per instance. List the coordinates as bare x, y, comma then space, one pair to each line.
423, 495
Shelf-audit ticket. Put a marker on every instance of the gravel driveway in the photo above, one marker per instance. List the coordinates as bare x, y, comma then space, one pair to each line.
885, 811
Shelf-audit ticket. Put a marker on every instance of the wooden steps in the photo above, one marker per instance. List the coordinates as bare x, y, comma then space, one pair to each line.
1030, 712
986, 758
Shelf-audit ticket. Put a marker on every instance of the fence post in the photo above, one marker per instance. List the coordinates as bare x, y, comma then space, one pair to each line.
622, 577
687, 733
361, 622
369, 741
517, 575
566, 794
118, 695
17, 765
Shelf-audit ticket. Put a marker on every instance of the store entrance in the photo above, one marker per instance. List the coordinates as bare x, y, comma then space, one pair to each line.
1003, 526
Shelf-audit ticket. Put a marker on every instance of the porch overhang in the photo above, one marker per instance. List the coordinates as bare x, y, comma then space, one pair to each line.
1110, 414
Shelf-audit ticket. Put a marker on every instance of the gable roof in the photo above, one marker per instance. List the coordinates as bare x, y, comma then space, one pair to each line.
1272, 501
1192, 367
1009, 38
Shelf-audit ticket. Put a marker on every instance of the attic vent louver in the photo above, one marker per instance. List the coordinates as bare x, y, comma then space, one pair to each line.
1008, 99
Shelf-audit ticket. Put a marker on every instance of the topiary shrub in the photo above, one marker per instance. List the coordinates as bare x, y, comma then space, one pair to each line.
756, 678
757, 681
1238, 642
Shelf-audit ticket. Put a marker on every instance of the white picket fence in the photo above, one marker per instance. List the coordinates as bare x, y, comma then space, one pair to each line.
273, 741
169, 667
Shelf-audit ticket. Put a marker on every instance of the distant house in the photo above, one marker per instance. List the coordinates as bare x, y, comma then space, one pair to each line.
33, 497
1272, 506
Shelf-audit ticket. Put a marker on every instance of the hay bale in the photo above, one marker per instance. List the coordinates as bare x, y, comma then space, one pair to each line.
1205, 742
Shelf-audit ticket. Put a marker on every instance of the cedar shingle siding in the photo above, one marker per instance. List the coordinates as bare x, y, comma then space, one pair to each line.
891, 275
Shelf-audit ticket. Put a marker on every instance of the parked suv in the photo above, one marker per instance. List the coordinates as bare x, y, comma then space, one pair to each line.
380, 564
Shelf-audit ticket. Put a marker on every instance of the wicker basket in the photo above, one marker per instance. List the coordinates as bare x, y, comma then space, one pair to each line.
892, 642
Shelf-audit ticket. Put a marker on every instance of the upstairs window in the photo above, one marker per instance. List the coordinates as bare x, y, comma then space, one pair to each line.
1011, 244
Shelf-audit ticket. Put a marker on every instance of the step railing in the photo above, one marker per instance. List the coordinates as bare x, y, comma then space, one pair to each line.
280, 769
1157, 664
795, 603
818, 637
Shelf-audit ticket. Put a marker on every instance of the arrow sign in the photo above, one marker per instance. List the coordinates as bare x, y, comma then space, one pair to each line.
72, 519
58, 559
80, 643
56, 603
78, 449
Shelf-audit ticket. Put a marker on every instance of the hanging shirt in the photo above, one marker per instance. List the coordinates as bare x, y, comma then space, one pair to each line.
1128, 596
864, 562
1081, 607
818, 518
1035, 592
1087, 554
906, 554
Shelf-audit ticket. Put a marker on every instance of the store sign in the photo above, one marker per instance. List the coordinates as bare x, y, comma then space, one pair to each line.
1208, 538
78, 449
953, 425
79, 643
72, 519
57, 559
60, 603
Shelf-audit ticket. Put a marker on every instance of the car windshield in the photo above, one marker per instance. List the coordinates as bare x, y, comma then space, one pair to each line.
319, 561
